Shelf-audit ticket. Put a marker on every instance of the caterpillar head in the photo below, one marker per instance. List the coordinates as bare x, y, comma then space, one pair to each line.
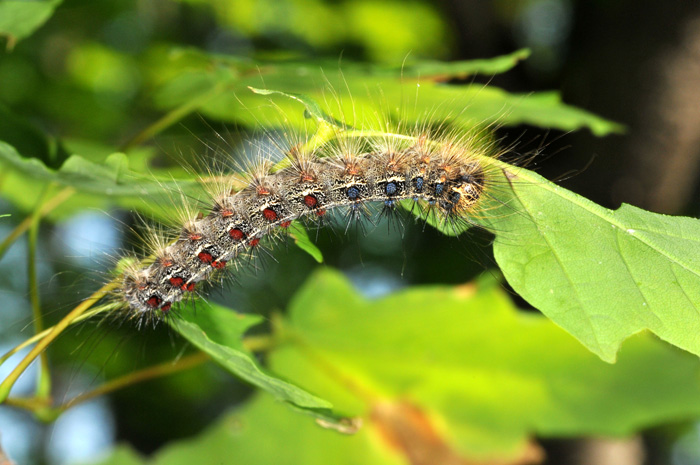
465, 191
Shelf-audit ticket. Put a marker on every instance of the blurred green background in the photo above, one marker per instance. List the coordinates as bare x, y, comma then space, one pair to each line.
96, 74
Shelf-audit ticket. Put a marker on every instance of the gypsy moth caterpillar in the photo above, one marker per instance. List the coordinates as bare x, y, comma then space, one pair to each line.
444, 179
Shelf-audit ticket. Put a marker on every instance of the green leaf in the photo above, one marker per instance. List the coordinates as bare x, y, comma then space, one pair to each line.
112, 178
433, 70
218, 331
449, 372
462, 69
20, 18
312, 108
484, 376
602, 275
302, 240
546, 110
356, 92
247, 436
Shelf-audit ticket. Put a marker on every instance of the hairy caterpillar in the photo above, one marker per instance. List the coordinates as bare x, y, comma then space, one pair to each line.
441, 179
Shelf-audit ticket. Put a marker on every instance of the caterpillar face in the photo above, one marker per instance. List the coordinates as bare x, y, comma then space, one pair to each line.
466, 191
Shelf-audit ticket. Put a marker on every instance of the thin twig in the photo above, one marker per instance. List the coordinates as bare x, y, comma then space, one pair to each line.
156, 371
171, 118
8, 382
40, 406
38, 336
43, 386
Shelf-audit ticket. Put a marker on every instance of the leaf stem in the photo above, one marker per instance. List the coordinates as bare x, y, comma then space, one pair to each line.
33, 404
156, 371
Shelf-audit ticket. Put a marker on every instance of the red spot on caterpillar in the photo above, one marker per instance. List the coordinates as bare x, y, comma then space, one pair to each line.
205, 257
255, 242
262, 190
166, 262
177, 281
226, 213
154, 301
310, 201
219, 264
269, 214
306, 177
166, 307
285, 224
236, 234
320, 212
195, 237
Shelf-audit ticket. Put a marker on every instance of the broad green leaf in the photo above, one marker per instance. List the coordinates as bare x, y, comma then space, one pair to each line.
111, 178
357, 94
484, 376
218, 332
247, 436
20, 18
602, 275
262, 433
